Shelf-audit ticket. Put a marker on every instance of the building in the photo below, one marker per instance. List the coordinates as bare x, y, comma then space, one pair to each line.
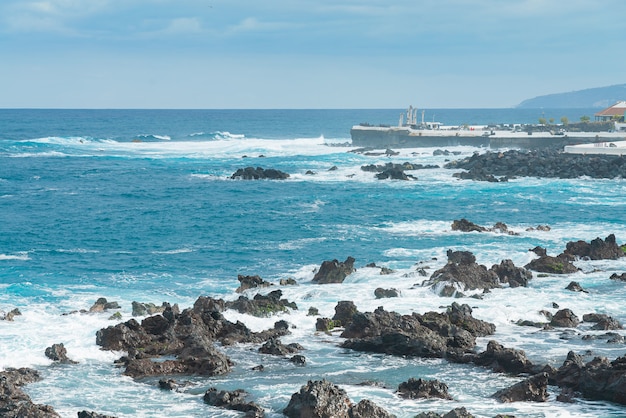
618, 110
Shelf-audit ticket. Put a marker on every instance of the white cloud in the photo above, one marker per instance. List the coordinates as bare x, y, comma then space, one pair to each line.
183, 25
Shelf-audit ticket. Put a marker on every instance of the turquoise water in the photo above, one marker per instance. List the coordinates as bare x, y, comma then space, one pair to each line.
137, 205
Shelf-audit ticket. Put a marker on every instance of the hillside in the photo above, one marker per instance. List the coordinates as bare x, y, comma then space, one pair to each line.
599, 97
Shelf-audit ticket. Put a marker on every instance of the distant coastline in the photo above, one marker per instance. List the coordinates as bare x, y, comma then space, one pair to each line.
598, 97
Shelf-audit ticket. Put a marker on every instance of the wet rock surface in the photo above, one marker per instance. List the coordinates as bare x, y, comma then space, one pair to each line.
14, 402
538, 163
259, 173
334, 271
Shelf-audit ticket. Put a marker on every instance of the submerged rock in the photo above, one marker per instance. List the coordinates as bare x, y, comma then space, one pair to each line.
259, 173
234, 400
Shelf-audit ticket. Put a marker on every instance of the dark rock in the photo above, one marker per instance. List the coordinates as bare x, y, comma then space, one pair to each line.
334, 271
168, 384
368, 409
288, 282
9, 316
464, 225
234, 400
58, 353
142, 309
423, 389
575, 287
251, 173
599, 379
90, 414
597, 249
249, 282
262, 305
533, 389
540, 251
501, 359
344, 311
433, 334
463, 271
507, 272
381, 293
326, 324
553, 265
620, 277
14, 402
313, 311
548, 163
603, 321
298, 360
102, 305
458, 413
275, 347
188, 336
565, 318
319, 399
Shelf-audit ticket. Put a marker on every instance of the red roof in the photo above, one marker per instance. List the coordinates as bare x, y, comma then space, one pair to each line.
618, 109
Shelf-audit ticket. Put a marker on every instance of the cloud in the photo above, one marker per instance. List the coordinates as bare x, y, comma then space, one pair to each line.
183, 25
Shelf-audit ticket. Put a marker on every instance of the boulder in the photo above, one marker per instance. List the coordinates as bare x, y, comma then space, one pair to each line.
262, 305
602, 322
142, 309
334, 271
275, 347
102, 305
58, 353
597, 249
575, 287
463, 271
344, 311
91, 414
9, 316
423, 389
368, 409
532, 389
500, 359
249, 282
552, 265
507, 272
319, 399
565, 318
381, 293
234, 400
464, 225
619, 277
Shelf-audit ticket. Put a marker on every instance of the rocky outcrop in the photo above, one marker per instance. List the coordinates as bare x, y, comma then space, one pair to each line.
463, 272
262, 305
597, 249
464, 225
507, 272
234, 400
189, 336
381, 293
504, 360
450, 334
9, 316
249, 282
565, 318
58, 353
423, 389
533, 389
553, 265
603, 322
539, 163
143, 309
259, 173
455, 413
14, 402
275, 347
102, 305
599, 379
334, 271
322, 399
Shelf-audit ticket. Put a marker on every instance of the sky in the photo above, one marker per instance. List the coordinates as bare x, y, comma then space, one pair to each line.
280, 54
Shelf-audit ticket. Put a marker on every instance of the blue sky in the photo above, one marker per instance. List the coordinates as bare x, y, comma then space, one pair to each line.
305, 53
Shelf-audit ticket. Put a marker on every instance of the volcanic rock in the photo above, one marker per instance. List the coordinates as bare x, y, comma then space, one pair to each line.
507, 272
565, 318
259, 173
423, 389
334, 271
262, 305
533, 389
462, 270
58, 353
319, 399
248, 282
501, 359
14, 402
381, 293
597, 249
234, 400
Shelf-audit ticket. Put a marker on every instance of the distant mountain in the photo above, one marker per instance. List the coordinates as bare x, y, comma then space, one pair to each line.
600, 97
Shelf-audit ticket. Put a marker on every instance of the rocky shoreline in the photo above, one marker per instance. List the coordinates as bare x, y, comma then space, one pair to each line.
170, 343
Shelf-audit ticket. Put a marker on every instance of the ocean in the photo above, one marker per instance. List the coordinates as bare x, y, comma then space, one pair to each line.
137, 205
